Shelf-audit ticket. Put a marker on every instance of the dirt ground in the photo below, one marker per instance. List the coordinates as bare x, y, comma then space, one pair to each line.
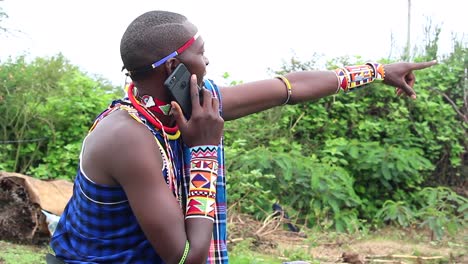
373, 250
388, 245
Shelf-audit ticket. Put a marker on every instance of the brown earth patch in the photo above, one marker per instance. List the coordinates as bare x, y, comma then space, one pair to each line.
390, 245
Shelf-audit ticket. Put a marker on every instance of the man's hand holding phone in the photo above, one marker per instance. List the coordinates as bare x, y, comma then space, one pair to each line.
178, 84
205, 126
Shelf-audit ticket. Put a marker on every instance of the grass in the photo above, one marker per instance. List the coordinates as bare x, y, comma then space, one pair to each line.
25, 254
256, 258
22, 254
320, 247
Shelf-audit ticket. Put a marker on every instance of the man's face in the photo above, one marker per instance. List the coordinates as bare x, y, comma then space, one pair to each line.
195, 60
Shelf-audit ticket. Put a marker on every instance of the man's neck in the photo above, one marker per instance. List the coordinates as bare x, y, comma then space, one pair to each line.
157, 92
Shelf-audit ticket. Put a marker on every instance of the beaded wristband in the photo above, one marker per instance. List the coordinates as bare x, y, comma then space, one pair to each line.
201, 198
378, 69
288, 87
352, 77
186, 250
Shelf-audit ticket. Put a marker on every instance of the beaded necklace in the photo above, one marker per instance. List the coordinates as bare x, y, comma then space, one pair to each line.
168, 159
142, 109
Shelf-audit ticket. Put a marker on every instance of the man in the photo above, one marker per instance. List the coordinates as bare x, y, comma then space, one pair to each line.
150, 187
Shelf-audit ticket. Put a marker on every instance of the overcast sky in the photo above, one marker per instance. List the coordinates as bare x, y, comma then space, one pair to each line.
241, 37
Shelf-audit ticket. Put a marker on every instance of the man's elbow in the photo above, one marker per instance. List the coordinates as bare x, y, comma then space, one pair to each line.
196, 255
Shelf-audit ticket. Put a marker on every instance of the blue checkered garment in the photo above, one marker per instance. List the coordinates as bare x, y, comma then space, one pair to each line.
218, 253
98, 225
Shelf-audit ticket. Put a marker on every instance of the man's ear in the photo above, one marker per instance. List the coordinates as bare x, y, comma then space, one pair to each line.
170, 65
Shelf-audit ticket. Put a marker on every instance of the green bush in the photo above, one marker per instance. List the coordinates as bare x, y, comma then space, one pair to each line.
48, 106
356, 158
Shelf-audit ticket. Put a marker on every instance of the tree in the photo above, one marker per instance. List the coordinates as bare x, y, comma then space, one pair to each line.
3, 15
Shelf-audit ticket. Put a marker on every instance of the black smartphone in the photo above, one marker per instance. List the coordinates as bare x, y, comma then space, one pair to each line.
178, 84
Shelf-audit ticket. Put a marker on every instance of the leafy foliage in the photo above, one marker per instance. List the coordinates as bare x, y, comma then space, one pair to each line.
396, 212
48, 105
360, 157
441, 210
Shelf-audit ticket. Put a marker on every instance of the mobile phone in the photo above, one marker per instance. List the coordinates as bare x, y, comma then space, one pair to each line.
178, 84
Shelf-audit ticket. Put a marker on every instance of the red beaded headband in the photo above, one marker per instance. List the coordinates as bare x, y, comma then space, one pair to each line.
163, 60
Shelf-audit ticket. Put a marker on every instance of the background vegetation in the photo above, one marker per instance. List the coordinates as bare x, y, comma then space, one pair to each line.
363, 159
346, 162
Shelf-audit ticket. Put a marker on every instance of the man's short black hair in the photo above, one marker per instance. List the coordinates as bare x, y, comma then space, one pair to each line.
152, 36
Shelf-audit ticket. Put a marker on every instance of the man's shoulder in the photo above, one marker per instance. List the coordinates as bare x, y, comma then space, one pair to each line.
121, 129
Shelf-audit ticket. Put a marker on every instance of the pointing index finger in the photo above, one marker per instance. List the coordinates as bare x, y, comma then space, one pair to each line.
423, 65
